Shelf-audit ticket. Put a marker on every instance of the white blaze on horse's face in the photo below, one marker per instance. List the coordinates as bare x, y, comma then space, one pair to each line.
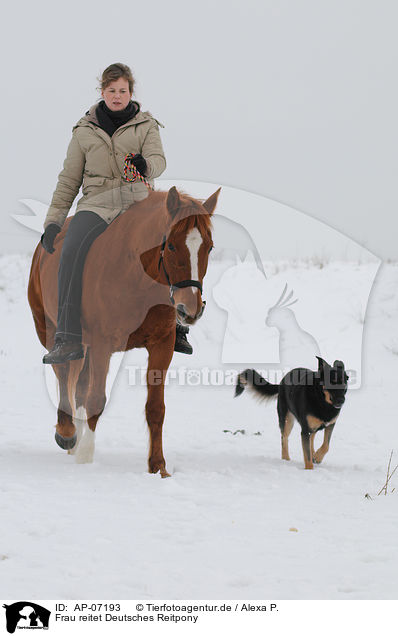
193, 243
188, 300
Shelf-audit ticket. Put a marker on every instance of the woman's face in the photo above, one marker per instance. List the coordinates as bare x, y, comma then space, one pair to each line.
117, 94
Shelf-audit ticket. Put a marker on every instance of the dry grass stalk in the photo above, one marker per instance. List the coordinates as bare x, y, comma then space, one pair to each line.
388, 478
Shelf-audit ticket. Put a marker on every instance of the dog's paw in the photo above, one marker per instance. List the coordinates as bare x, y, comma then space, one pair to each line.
317, 458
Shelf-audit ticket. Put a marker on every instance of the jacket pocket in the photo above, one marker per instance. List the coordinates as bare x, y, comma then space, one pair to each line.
91, 182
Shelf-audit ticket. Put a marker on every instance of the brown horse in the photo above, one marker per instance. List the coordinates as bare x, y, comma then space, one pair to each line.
145, 270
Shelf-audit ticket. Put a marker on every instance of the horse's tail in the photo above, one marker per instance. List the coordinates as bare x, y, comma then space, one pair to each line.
35, 296
263, 389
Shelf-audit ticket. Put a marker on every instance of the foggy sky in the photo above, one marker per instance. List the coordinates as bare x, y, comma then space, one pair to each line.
293, 100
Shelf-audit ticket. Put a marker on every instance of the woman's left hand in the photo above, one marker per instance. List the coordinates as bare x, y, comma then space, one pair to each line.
139, 162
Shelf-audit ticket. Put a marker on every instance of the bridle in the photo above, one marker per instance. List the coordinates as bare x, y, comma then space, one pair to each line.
181, 284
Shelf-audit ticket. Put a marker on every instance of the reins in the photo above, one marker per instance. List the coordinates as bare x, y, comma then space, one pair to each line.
174, 286
131, 173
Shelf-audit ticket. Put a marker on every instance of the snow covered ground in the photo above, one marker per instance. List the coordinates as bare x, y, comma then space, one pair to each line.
233, 521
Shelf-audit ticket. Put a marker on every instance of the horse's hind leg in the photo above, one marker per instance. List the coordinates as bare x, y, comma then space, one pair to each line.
80, 418
92, 393
83, 383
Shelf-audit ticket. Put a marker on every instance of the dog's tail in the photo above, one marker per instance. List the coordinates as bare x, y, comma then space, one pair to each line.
263, 389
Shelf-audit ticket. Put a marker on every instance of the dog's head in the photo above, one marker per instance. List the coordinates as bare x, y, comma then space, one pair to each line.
333, 381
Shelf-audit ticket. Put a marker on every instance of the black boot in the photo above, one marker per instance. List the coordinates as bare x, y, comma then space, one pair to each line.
64, 351
182, 345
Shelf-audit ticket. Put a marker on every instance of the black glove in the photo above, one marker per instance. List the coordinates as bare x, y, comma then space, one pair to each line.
139, 162
47, 239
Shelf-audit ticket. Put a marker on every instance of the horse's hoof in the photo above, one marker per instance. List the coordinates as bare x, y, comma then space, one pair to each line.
156, 468
65, 442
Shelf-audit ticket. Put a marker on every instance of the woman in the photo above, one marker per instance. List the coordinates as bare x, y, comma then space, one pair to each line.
95, 159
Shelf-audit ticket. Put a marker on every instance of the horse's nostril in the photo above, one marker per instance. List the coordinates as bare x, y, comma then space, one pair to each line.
200, 314
181, 310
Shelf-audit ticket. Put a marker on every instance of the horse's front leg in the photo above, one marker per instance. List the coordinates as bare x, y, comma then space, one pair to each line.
160, 355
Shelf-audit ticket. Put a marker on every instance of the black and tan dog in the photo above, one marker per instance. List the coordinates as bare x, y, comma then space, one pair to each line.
314, 399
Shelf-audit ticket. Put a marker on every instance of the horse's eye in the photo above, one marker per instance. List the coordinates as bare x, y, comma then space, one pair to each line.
171, 247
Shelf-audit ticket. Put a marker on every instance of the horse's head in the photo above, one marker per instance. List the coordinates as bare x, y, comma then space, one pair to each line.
185, 252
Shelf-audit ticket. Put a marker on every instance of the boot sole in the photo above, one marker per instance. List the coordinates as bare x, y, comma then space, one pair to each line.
68, 358
187, 351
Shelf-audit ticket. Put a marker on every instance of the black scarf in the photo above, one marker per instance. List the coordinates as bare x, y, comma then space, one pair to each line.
110, 120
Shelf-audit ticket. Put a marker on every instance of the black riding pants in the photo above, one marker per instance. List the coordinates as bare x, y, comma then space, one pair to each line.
83, 229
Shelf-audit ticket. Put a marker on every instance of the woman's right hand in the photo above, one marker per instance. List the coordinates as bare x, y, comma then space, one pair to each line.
47, 239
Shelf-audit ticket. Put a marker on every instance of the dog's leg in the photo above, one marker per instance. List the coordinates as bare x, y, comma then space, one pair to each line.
322, 450
312, 440
287, 429
286, 422
305, 441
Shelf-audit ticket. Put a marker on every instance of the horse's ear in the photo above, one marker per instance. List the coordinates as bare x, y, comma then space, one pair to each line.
210, 203
173, 201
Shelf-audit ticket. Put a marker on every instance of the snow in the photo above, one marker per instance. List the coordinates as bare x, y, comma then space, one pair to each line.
234, 520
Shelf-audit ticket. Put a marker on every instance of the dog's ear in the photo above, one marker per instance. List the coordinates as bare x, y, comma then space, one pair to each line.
338, 364
341, 375
322, 364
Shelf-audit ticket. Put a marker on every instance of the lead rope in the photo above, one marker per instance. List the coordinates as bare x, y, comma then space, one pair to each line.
129, 168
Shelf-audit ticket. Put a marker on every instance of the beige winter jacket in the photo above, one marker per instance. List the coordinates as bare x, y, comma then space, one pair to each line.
95, 161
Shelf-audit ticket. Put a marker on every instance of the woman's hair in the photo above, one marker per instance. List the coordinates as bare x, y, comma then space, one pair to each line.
113, 72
